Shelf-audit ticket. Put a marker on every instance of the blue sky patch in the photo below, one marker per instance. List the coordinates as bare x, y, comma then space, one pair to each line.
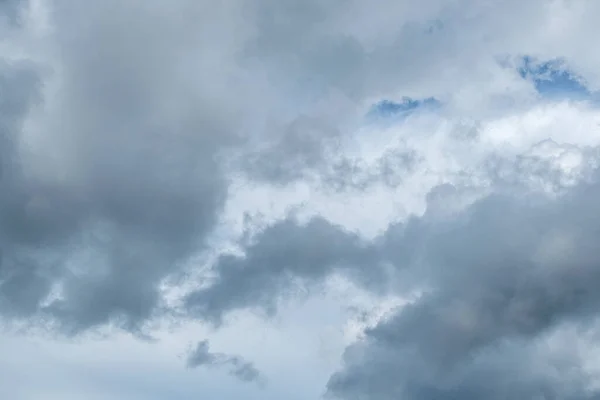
553, 78
389, 109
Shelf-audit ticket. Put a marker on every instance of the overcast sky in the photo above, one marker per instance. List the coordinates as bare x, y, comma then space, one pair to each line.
299, 199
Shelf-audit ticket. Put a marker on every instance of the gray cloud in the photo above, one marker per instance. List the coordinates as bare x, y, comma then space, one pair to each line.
282, 259
499, 278
390, 170
513, 369
309, 149
236, 366
297, 149
21, 284
291, 256
10, 12
123, 184
314, 162
330, 58
116, 180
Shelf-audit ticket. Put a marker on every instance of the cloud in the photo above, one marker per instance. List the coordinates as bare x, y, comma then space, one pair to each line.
237, 366
293, 254
113, 182
133, 133
497, 278
280, 259
10, 11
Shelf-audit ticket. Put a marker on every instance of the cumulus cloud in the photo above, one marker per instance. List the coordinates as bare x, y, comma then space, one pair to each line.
500, 277
502, 269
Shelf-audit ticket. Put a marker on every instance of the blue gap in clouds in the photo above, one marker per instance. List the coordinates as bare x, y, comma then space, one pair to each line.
388, 108
553, 79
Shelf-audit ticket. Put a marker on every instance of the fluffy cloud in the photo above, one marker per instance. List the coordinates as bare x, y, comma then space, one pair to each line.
444, 154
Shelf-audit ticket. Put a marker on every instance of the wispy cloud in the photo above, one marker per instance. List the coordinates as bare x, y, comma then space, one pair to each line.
201, 356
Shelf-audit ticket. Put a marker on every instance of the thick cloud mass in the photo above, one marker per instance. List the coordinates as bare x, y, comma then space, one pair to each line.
440, 155
140, 186
500, 276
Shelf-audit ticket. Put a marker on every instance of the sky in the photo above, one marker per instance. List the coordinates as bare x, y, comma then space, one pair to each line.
299, 199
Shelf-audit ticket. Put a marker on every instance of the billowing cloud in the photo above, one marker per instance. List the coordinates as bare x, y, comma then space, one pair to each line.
500, 277
116, 185
283, 258
438, 155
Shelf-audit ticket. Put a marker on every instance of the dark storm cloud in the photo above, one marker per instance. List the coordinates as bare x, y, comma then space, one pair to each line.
236, 366
143, 186
499, 278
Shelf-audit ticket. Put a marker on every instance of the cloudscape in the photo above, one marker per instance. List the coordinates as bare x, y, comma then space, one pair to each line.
299, 199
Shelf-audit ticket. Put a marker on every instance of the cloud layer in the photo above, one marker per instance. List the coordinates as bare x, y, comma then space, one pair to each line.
196, 163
